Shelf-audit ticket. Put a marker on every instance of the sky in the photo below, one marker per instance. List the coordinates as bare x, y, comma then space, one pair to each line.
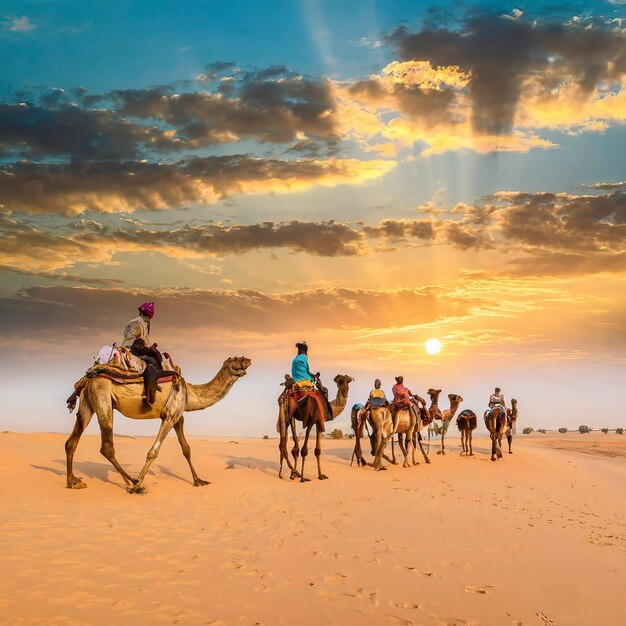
363, 176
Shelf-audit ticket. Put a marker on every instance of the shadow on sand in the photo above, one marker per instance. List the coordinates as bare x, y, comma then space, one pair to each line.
89, 469
267, 467
168, 472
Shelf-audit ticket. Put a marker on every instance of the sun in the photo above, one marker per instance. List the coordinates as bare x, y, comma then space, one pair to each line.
433, 346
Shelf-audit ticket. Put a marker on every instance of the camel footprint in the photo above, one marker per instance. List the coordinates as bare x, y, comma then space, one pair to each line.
481, 589
406, 605
545, 619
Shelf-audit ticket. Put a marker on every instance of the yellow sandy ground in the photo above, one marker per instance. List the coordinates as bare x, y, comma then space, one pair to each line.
536, 539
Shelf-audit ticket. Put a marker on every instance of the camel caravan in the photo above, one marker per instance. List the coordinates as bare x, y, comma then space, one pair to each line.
140, 382
305, 400
407, 416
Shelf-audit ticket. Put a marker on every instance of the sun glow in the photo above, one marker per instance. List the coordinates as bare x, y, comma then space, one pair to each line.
433, 346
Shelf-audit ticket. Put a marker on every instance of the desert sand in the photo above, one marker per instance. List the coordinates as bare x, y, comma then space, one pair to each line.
537, 538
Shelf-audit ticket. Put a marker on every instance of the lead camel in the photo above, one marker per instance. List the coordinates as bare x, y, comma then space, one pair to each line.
101, 395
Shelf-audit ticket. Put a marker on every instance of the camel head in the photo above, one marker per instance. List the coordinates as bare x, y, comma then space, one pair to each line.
455, 397
237, 365
343, 381
434, 395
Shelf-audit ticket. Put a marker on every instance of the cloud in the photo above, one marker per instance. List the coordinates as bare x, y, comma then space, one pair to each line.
547, 233
500, 55
34, 132
116, 186
21, 24
75, 311
270, 105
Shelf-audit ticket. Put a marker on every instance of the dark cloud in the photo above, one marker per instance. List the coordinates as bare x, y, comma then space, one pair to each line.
561, 222
316, 238
432, 106
501, 53
270, 105
397, 230
113, 186
33, 132
73, 312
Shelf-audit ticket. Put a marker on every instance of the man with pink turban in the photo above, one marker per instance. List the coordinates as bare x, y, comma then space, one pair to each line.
139, 327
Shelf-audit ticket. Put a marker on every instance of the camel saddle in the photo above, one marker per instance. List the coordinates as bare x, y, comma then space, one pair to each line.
295, 397
150, 378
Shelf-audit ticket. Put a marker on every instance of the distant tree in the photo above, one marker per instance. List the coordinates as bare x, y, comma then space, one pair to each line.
541, 430
266, 436
336, 434
619, 431
604, 430
562, 430
528, 430
583, 429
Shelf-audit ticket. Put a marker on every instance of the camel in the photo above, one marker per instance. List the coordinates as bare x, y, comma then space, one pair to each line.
309, 412
381, 423
511, 417
435, 414
466, 423
495, 421
447, 415
409, 422
101, 395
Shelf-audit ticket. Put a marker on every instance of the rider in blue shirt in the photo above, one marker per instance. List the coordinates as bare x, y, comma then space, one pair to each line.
300, 371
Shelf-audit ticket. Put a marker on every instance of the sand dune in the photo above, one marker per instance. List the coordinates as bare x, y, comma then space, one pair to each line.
535, 539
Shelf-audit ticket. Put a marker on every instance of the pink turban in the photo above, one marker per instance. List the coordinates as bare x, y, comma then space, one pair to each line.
147, 308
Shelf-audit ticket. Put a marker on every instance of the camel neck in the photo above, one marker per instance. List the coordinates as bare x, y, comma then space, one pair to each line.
202, 396
339, 403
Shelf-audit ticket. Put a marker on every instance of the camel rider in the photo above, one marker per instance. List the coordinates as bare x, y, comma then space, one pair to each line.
139, 327
136, 335
403, 398
303, 380
496, 400
377, 396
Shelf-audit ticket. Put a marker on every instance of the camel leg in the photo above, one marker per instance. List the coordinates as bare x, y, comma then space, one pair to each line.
403, 450
380, 451
295, 451
318, 452
282, 445
420, 440
186, 448
493, 446
509, 440
471, 449
358, 453
83, 417
443, 434
304, 452
377, 450
284, 436
153, 453
104, 411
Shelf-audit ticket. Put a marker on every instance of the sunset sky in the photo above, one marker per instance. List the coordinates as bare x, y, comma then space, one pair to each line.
360, 175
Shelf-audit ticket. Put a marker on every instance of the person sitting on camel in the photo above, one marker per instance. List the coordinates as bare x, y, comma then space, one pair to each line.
496, 400
135, 337
403, 398
303, 380
377, 396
